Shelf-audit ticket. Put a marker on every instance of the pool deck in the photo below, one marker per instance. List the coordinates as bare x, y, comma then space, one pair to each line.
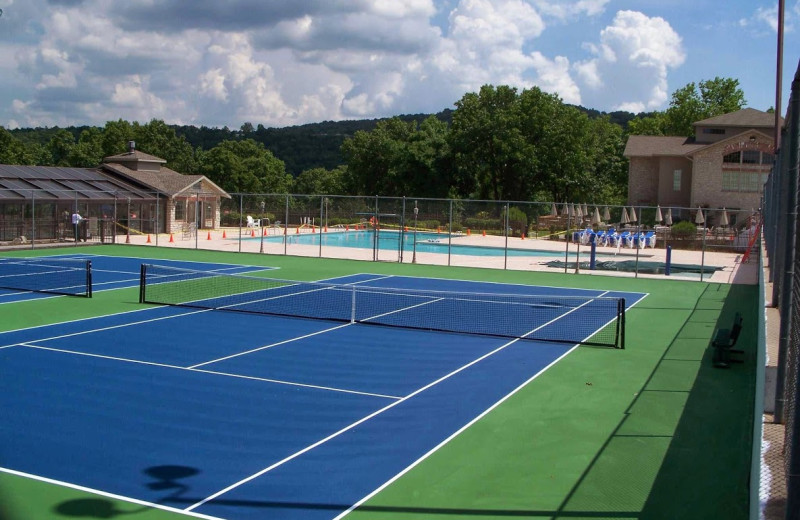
733, 271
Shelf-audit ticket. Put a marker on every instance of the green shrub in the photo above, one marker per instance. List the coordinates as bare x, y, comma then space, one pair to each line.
683, 230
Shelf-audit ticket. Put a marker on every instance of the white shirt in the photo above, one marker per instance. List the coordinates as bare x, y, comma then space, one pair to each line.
76, 218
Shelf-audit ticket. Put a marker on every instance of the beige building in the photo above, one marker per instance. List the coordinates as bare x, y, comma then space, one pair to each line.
191, 199
724, 165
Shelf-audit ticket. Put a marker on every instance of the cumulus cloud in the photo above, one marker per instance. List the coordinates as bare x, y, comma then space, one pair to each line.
631, 62
282, 63
567, 10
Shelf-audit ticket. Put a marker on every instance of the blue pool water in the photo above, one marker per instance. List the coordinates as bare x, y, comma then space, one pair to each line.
389, 241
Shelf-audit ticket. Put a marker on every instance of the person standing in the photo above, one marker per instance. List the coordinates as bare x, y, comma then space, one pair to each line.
76, 220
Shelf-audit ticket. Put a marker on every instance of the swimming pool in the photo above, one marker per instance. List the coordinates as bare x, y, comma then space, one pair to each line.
390, 241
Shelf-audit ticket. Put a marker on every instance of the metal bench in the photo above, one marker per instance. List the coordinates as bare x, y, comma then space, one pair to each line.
723, 343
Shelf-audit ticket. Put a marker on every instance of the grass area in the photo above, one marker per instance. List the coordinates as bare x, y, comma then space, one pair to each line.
652, 431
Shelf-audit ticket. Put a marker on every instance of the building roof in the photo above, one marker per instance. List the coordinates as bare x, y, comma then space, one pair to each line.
165, 181
56, 183
657, 146
136, 155
746, 118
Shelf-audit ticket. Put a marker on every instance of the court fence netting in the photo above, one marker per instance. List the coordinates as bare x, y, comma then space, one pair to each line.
781, 223
591, 320
68, 276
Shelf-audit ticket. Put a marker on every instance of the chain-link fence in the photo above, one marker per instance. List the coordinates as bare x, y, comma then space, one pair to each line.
783, 250
559, 237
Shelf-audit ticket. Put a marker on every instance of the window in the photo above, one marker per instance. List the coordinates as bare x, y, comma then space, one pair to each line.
751, 157
730, 181
734, 158
717, 131
180, 210
745, 182
676, 180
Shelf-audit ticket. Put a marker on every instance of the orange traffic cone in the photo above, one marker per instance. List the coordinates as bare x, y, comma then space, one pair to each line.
326, 229
209, 236
313, 230
265, 231
347, 227
297, 230
484, 232
223, 234
171, 239
438, 230
469, 233
252, 232
148, 239
523, 236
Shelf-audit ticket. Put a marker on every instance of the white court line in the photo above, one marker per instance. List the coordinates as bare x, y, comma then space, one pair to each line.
470, 423
213, 372
290, 340
378, 412
106, 494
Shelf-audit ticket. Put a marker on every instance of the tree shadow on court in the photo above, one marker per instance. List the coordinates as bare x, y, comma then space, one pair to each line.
683, 448
164, 478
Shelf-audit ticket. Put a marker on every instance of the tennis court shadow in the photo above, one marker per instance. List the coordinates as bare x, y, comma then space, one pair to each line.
683, 448
94, 508
164, 478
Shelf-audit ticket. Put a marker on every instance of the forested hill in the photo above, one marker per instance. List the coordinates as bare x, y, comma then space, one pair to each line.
300, 147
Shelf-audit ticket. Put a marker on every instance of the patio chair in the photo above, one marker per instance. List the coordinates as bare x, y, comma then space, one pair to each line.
625, 239
613, 239
650, 239
600, 238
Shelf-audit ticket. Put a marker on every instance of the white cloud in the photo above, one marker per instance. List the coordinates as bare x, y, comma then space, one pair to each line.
289, 63
554, 77
631, 63
567, 10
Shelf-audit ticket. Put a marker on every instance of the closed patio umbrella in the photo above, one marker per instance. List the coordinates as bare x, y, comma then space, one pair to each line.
564, 210
633, 215
578, 211
699, 218
723, 219
585, 210
596, 216
668, 218
553, 210
659, 218
624, 219
606, 214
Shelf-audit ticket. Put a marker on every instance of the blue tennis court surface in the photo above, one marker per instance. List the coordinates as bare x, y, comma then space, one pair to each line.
242, 416
114, 272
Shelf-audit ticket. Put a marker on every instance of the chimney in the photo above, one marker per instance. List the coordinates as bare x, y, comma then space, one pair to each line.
131, 146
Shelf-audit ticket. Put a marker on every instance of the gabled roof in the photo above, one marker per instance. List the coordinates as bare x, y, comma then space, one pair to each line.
658, 145
746, 117
165, 181
136, 155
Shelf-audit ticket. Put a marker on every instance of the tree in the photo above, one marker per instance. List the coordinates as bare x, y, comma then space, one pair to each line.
88, 151
13, 151
489, 146
690, 104
158, 139
320, 181
60, 147
245, 167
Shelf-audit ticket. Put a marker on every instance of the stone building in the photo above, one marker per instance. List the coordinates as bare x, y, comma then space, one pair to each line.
723, 165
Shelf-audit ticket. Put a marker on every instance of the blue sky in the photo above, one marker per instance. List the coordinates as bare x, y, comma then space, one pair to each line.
222, 63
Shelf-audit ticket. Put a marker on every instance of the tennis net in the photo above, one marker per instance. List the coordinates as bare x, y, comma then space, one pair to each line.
563, 319
47, 275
